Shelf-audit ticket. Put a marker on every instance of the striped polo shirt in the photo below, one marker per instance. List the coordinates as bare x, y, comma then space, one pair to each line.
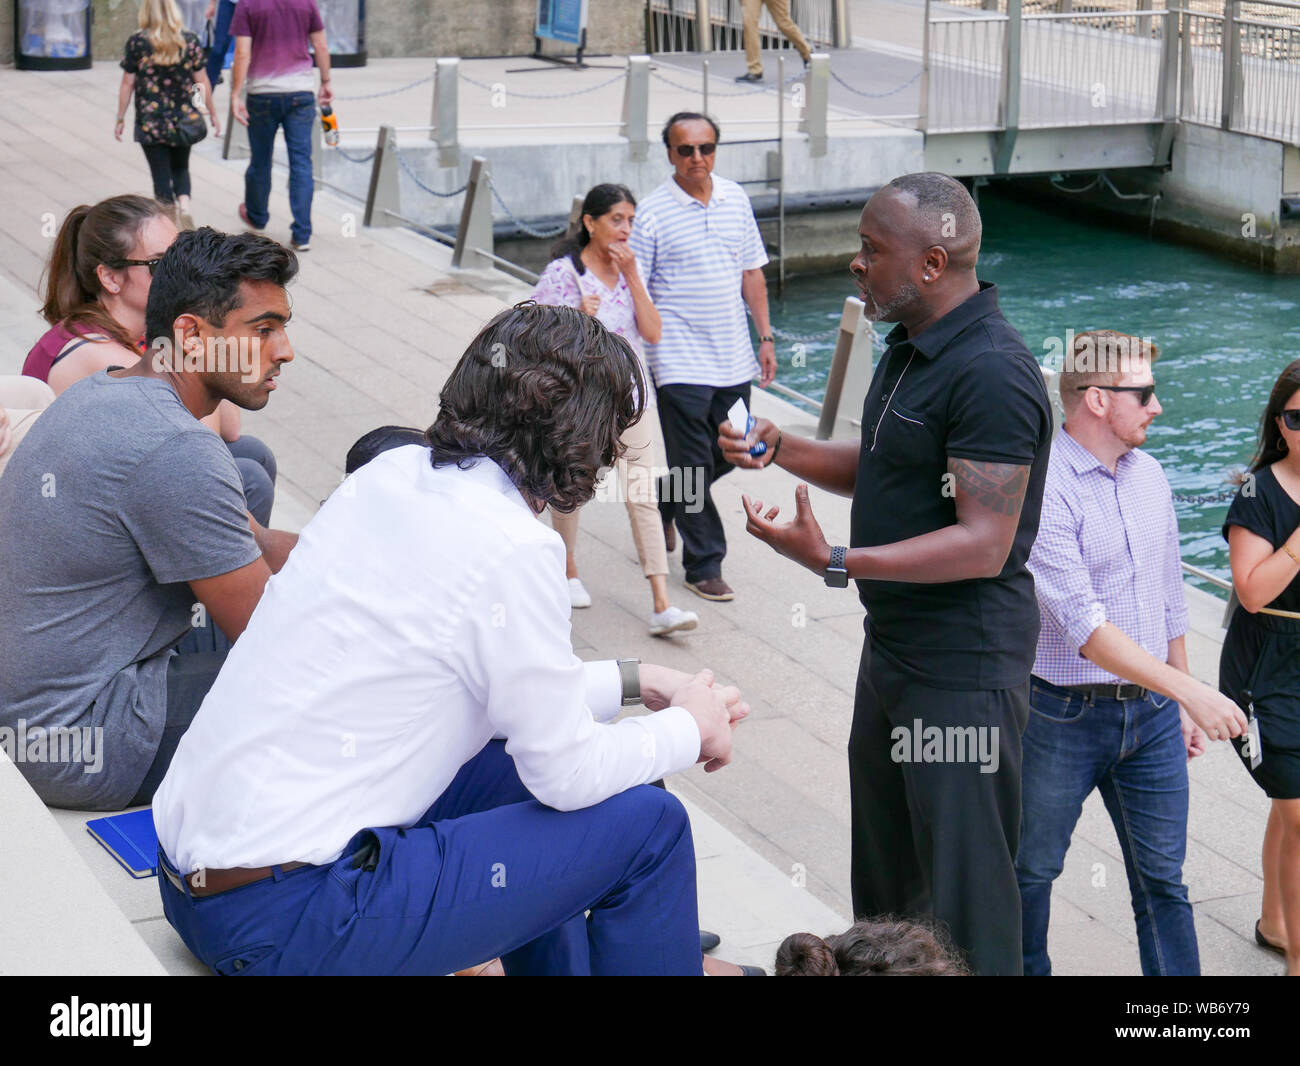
694, 255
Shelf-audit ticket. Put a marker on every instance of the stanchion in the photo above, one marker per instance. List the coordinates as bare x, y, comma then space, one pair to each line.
474, 248
850, 374
384, 195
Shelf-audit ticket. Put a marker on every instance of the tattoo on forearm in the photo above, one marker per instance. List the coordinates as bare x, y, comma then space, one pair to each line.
998, 486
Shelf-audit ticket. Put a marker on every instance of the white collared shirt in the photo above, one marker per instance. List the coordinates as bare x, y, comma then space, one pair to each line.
693, 258
421, 612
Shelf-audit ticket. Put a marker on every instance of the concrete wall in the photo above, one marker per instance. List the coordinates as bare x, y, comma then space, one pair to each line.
409, 27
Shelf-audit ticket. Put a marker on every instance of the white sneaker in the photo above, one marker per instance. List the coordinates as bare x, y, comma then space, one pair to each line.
673, 620
578, 594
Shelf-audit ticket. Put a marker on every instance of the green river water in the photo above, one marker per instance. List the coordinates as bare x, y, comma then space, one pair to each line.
1225, 331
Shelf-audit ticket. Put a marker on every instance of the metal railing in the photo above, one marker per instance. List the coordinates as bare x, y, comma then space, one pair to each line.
1019, 64
718, 25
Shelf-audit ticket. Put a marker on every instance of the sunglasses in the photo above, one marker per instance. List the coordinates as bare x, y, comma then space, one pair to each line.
1144, 392
152, 264
688, 150
1291, 418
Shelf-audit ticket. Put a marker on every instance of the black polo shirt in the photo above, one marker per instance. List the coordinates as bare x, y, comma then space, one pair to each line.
966, 387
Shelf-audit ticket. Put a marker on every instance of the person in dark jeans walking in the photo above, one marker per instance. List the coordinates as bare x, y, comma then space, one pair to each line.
274, 44
222, 13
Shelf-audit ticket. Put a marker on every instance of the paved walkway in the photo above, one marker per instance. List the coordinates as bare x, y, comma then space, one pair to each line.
379, 318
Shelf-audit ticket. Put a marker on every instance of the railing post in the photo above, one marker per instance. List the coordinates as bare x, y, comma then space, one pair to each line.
1187, 66
474, 234
990, 5
841, 28
1230, 111
636, 108
1144, 21
575, 215
850, 373
703, 34
1009, 104
446, 111
234, 143
1167, 101
384, 194
924, 124
816, 103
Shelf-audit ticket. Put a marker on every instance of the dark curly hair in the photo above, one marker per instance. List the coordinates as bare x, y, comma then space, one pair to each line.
879, 947
546, 393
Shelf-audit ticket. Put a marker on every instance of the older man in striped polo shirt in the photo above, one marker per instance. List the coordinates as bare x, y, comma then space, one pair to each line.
703, 258
1110, 674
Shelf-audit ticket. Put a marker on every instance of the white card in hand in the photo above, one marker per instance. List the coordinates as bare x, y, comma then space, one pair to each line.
738, 416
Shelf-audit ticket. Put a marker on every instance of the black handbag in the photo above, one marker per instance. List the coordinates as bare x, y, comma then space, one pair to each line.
191, 128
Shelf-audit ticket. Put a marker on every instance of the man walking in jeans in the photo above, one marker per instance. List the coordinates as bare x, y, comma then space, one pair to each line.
1111, 670
273, 63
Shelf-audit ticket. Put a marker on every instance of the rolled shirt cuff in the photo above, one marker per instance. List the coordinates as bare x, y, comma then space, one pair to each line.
1081, 627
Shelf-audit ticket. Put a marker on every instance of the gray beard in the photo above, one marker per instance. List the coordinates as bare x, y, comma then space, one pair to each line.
904, 300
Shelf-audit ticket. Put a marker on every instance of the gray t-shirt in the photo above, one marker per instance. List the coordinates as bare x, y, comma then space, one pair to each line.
115, 499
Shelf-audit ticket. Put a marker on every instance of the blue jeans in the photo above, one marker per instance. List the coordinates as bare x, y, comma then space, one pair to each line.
220, 40
267, 112
486, 872
1133, 751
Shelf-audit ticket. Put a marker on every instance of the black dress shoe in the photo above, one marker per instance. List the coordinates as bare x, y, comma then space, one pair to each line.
749, 77
708, 941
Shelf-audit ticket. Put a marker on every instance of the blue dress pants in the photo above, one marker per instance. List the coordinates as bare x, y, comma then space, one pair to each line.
486, 872
1133, 751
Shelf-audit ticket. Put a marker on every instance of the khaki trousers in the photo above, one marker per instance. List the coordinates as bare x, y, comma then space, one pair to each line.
635, 484
23, 398
780, 10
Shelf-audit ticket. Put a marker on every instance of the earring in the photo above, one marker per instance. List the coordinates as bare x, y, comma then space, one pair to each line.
1282, 444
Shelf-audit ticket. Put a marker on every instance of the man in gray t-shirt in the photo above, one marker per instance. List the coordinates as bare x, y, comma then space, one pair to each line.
120, 510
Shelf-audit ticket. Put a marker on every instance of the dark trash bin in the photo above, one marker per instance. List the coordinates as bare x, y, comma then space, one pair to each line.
52, 34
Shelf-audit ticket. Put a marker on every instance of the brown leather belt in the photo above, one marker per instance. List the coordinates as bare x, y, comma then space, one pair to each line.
213, 882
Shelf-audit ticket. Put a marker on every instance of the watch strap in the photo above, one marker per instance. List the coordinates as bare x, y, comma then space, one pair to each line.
629, 672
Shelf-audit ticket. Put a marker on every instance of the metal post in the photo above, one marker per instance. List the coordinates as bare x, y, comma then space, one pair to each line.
1230, 112
841, 29
446, 111
474, 247
234, 144
990, 5
1167, 104
1188, 108
704, 90
575, 215
850, 373
636, 108
703, 35
816, 102
384, 195
780, 176
1009, 104
1144, 21
924, 124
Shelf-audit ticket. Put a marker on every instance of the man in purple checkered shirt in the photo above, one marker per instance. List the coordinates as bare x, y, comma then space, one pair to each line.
1113, 706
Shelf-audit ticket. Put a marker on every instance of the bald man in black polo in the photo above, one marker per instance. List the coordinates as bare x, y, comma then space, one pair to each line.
947, 484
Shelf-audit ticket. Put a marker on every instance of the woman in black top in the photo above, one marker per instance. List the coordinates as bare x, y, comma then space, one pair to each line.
1260, 665
163, 65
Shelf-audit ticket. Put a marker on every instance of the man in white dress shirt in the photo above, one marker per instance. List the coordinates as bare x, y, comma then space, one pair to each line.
339, 805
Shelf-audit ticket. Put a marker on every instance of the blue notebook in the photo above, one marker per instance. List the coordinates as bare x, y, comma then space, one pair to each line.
130, 839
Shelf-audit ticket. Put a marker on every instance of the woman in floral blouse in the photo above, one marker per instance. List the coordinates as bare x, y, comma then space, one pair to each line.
596, 271
163, 66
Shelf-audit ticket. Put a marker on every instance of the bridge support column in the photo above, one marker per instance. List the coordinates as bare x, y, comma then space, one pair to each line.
1009, 103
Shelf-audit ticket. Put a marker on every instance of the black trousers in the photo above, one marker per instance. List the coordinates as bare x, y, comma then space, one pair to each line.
690, 416
169, 165
937, 836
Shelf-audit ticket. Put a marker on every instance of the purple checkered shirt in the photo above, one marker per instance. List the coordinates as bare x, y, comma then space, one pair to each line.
1107, 550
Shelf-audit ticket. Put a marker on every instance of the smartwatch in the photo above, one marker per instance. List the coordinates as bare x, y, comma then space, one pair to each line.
837, 576
629, 672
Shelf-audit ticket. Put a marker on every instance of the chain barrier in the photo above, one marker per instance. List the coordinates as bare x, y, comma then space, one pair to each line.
531, 231
875, 96
544, 96
356, 158
401, 160
718, 92
383, 92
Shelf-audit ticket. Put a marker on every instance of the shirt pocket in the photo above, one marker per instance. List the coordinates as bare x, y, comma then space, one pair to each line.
904, 437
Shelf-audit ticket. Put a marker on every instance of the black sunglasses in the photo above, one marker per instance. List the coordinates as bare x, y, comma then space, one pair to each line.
1144, 392
688, 150
1291, 418
152, 264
